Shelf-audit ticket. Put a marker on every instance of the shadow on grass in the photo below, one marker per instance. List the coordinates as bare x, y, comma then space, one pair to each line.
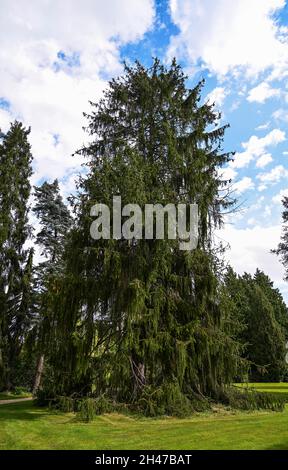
280, 446
27, 411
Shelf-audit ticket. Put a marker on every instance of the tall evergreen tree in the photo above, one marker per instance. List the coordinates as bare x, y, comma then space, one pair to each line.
134, 315
55, 223
275, 298
264, 338
263, 315
15, 260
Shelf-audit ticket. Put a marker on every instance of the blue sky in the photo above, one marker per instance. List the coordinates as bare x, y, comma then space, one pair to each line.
55, 56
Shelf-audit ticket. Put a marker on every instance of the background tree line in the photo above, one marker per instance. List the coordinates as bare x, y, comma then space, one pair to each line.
137, 320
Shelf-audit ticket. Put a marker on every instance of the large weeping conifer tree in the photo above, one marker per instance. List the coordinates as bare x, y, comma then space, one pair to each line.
139, 316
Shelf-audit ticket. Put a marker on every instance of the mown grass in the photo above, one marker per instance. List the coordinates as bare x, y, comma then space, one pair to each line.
24, 426
281, 387
274, 388
13, 396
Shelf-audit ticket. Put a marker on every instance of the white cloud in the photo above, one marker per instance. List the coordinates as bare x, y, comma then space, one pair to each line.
54, 57
217, 96
227, 173
255, 147
229, 36
280, 115
277, 199
243, 185
258, 204
267, 211
5, 119
262, 187
251, 221
274, 176
263, 127
264, 160
262, 92
250, 249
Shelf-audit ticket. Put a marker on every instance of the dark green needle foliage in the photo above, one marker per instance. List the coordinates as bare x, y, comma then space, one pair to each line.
15, 260
140, 320
263, 315
55, 222
275, 298
134, 324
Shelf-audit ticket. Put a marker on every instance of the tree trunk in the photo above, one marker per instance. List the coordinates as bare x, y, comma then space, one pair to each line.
138, 370
40, 367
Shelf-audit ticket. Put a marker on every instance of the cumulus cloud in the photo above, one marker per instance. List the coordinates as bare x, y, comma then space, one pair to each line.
262, 92
264, 160
277, 199
262, 187
226, 36
280, 115
227, 173
256, 147
217, 96
243, 185
54, 57
250, 249
274, 176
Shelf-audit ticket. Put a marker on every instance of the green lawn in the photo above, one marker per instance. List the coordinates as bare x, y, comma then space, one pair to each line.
13, 396
23, 426
281, 387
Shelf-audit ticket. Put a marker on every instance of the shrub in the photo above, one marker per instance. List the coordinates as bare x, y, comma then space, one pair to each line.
252, 400
169, 400
86, 409
66, 404
20, 391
